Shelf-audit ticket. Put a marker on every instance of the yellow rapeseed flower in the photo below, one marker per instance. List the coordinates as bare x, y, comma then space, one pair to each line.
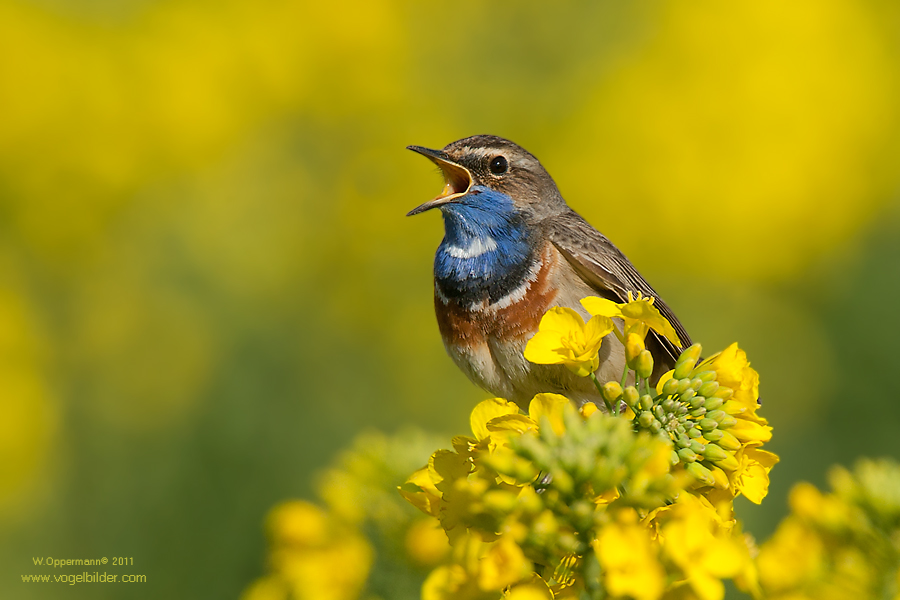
629, 560
638, 313
752, 476
693, 539
563, 338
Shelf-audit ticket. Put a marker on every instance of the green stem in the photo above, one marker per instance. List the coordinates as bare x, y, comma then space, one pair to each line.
600, 389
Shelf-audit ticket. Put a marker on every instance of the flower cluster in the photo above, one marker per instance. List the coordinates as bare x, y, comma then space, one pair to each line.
636, 501
845, 544
362, 540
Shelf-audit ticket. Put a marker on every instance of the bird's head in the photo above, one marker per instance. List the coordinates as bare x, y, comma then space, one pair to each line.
486, 173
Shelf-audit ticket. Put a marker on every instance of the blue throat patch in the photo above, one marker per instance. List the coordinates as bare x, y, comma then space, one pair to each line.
486, 251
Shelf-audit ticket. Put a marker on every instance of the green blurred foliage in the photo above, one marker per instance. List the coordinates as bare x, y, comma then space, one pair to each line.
207, 285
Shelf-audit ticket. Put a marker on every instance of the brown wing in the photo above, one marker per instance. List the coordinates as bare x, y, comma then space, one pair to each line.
605, 268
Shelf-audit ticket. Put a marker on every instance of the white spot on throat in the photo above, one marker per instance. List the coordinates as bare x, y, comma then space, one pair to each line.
476, 247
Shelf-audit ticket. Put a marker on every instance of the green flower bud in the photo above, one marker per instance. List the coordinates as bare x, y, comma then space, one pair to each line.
683, 385
646, 418
727, 422
715, 453
634, 345
714, 435
646, 402
689, 394
683, 441
687, 455
697, 446
674, 459
705, 376
728, 463
631, 396
700, 473
718, 415
708, 424
655, 427
697, 401
643, 366
724, 393
694, 433
729, 442
698, 412
612, 391
713, 403
659, 412
681, 410
670, 387
709, 388
696, 383
686, 361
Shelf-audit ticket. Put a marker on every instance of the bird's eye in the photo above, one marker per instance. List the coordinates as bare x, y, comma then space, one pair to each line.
499, 165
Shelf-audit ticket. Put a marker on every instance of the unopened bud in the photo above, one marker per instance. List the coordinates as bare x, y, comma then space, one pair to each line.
729, 463
713, 403
700, 473
718, 415
684, 385
612, 391
708, 389
715, 453
714, 435
686, 361
687, 455
694, 433
643, 365
698, 412
646, 418
727, 422
631, 396
724, 393
634, 345
697, 446
705, 376
670, 387
696, 382
729, 442
646, 401
707, 424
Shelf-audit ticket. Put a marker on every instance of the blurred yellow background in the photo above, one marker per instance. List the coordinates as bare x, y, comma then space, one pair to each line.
208, 286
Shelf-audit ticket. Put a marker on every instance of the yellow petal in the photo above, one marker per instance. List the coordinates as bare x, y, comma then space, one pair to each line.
545, 348
748, 431
562, 320
601, 306
487, 410
596, 328
550, 406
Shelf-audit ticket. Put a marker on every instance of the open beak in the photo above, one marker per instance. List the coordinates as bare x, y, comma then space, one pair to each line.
457, 179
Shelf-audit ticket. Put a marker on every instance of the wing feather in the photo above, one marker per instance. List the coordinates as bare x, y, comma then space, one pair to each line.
603, 266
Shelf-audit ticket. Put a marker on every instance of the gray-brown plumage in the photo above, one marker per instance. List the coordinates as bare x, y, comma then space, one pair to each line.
513, 249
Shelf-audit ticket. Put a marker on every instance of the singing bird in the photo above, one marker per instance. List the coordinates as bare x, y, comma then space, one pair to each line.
512, 249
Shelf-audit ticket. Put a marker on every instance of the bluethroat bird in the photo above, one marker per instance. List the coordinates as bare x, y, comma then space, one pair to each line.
512, 249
